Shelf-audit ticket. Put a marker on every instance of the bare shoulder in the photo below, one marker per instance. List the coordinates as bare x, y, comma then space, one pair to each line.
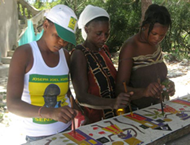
77, 55
23, 49
78, 60
23, 52
22, 60
129, 47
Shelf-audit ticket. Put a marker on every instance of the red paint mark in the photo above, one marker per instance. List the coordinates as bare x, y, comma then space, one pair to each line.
136, 116
95, 128
185, 106
91, 134
76, 135
181, 109
101, 132
181, 102
169, 109
49, 141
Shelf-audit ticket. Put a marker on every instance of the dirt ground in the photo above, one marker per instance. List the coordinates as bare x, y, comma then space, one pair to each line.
11, 132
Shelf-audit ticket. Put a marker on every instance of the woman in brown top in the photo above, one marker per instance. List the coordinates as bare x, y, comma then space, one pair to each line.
141, 64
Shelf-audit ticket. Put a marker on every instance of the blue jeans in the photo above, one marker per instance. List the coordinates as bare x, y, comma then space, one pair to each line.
31, 138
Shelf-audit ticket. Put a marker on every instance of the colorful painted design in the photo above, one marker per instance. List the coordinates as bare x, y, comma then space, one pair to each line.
133, 141
139, 129
148, 122
81, 138
183, 116
167, 109
103, 140
115, 130
155, 114
180, 101
170, 109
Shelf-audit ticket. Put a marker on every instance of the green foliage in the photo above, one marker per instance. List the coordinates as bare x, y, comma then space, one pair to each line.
23, 12
124, 17
125, 20
178, 41
39, 5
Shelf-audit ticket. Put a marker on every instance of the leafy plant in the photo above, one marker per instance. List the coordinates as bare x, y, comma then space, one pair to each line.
125, 20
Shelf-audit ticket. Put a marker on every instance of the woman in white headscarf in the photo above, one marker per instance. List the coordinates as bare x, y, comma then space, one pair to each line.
92, 71
90, 13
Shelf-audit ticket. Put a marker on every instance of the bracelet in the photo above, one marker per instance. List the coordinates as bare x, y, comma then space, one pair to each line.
39, 113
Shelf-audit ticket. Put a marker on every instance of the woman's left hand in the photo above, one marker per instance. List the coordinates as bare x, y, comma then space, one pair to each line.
171, 88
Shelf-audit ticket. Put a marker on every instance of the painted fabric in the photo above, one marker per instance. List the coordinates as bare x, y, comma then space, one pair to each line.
101, 80
45, 86
147, 69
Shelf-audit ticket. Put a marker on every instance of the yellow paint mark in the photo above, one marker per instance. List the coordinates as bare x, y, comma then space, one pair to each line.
118, 143
71, 138
133, 141
83, 143
92, 141
167, 119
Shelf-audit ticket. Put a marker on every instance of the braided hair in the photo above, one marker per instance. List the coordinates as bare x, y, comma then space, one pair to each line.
156, 14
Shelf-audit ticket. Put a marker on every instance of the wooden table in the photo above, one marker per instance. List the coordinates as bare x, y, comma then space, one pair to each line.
146, 126
184, 140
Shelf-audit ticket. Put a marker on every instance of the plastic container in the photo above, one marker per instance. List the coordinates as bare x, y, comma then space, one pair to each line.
120, 111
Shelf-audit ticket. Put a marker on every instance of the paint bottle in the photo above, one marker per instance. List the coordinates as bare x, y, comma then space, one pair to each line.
79, 119
120, 111
165, 94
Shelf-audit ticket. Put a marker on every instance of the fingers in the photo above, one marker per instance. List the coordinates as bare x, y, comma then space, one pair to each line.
65, 114
131, 93
171, 90
154, 90
122, 100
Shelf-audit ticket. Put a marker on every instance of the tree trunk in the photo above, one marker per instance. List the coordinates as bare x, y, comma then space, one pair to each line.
144, 6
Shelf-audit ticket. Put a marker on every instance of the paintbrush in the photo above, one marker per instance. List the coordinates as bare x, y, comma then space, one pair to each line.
125, 87
161, 102
73, 121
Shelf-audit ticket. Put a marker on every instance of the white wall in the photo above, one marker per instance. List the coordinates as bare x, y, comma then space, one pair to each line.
8, 25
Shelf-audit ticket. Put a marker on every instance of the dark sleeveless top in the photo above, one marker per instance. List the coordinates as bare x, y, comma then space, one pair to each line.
147, 69
101, 80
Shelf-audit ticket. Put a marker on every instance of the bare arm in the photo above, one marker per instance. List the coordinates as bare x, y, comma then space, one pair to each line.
15, 85
80, 82
69, 93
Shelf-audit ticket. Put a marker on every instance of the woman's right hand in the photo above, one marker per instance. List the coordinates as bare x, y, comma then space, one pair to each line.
153, 90
122, 100
63, 114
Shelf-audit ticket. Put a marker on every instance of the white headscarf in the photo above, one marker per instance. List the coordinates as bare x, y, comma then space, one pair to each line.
89, 13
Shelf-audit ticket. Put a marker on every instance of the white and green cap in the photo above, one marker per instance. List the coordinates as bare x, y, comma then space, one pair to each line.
65, 22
